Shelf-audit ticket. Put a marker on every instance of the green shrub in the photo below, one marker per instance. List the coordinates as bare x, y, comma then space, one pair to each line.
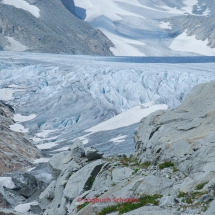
79, 207
200, 186
182, 194
146, 164
166, 164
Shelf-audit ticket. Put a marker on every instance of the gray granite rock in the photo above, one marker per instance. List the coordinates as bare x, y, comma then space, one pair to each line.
77, 149
211, 209
183, 135
119, 174
92, 153
82, 180
17, 152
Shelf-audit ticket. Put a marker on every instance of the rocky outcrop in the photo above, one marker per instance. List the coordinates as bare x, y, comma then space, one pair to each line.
172, 172
17, 152
200, 26
93, 154
184, 135
69, 4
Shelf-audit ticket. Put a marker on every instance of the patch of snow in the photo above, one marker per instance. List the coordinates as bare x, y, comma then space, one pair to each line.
20, 118
6, 182
18, 128
15, 45
186, 43
35, 139
128, 117
38, 139
165, 25
31, 169
21, 4
172, 10
188, 8
118, 139
46, 146
84, 140
15, 86
6, 94
44, 133
42, 160
207, 12
24, 208
61, 149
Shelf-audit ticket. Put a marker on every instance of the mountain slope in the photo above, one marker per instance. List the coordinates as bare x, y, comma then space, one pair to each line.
145, 27
44, 26
17, 152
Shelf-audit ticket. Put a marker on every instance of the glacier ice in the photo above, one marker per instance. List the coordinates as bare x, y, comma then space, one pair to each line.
69, 94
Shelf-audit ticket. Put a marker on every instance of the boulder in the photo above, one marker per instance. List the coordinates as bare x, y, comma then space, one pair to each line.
77, 149
27, 185
82, 180
92, 153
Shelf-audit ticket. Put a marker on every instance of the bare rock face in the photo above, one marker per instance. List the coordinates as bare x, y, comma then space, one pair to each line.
184, 136
54, 30
16, 150
69, 4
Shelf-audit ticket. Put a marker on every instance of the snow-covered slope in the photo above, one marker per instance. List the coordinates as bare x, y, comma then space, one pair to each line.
143, 27
62, 96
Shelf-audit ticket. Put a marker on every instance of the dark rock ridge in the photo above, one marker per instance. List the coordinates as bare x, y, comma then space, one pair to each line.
175, 158
57, 30
17, 152
69, 4
201, 27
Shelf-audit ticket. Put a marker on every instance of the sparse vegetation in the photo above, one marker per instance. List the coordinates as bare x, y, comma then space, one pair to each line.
135, 171
91, 182
145, 165
175, 169
166, 164
182, 194
200, 186
79, 207
126, 207
189, 198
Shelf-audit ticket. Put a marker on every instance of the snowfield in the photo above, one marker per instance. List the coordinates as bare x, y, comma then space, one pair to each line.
139, 28
186, 43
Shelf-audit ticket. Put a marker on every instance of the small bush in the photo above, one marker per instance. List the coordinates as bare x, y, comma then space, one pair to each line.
166, 164
182, 194
79, 207
145, 165
200, 186
135, 171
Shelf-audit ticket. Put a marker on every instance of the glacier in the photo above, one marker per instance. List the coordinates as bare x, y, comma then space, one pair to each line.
68, 95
